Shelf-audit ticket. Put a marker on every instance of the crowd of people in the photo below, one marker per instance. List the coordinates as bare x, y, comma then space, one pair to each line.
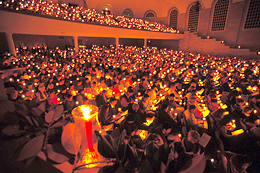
80, 14
185, 94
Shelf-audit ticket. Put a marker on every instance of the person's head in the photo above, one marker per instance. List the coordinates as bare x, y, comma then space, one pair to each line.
213, 104
27, 93
247, 110
113, 101
191, 108
80, 99
240, 102
145, 97
104, 93
135, 107
193, 136
41, 87
50, 86
14, 94
51, 93
193, 86
239, 163
130, 90
15, 73
171, 97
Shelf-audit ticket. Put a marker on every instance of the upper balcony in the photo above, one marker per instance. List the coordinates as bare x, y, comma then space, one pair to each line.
25, 23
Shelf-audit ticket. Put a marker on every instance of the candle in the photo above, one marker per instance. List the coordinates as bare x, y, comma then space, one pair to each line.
88, 126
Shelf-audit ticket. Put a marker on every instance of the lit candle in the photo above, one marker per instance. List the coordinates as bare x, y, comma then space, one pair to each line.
88, 126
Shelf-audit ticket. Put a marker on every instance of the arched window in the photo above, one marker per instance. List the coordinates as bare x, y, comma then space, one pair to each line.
127, 13
194, 17
220, 15
173, 19
149, 14
253, 15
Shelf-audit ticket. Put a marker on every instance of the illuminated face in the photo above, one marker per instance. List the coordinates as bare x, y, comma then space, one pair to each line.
42, 88
14, 95
50, 86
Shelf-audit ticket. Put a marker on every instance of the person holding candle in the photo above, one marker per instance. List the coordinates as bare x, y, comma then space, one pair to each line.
163, 115
41, 94
191, 121
52, 99
69, 102
125, 99
140, 117
101, 99
225, 130
105, 117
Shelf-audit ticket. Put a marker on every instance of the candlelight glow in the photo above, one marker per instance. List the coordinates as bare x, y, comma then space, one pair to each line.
85, 112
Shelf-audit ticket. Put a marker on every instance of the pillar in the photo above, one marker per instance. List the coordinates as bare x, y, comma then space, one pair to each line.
117, 42
10, 43
76, 43
145, 42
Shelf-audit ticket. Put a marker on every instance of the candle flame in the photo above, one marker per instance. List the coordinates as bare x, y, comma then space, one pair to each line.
85, 112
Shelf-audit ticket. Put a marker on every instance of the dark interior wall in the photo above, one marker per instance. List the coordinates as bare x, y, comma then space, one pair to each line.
35, 40
131, 42
3, 43
233, 23
204, 22
100, 41
234, 34
248, 38
229, 35
181, 22
161, 44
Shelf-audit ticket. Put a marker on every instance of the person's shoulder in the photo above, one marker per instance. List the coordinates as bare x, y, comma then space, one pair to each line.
186, 111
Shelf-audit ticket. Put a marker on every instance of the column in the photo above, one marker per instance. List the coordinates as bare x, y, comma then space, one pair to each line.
145, 42
76, 43
10, 43
117, 42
